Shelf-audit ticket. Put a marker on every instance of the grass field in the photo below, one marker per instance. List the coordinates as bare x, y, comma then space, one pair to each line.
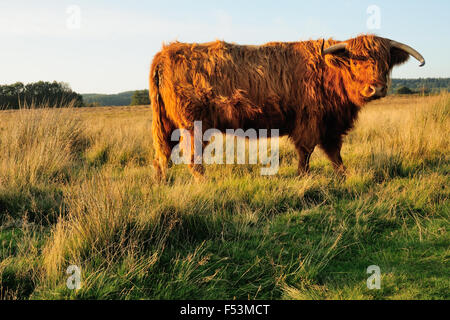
77, 187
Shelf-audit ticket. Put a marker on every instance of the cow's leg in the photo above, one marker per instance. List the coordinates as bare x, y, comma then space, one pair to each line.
196, 164
305, 140
163, 147
333, 152
304, 154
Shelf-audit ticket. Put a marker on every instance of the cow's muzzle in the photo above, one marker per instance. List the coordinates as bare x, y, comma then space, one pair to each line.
374, 91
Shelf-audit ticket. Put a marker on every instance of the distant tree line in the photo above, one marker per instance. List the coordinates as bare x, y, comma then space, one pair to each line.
59, 93
420, 85
38, 94
118, 99
404, 90
140, 97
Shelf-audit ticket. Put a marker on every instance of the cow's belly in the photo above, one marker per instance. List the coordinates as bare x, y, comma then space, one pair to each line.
283, 124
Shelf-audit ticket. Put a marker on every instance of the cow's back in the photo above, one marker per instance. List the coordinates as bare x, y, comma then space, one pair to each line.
228, 84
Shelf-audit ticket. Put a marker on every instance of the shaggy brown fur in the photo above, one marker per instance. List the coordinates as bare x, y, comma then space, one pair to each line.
311, 97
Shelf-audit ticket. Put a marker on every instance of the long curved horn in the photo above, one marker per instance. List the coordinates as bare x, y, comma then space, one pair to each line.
335, 48
409, 50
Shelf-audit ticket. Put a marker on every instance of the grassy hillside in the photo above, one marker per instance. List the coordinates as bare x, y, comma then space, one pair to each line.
77, 187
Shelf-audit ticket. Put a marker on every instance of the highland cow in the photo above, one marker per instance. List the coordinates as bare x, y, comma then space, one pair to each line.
311, 91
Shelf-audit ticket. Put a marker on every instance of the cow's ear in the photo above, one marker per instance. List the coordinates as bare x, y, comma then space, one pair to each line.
338, 58
398, 56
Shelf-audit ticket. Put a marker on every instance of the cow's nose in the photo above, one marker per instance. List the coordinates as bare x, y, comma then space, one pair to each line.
380, 91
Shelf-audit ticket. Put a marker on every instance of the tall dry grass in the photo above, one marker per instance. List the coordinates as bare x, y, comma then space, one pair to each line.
39, 145
410, 129
91, 168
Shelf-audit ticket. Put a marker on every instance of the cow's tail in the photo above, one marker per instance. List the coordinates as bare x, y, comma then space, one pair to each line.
161, 125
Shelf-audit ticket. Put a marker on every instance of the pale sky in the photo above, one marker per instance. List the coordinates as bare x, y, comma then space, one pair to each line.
107, 46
